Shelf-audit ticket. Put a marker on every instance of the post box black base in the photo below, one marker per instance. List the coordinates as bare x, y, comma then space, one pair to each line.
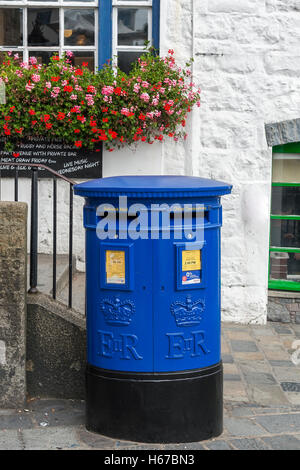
159, 408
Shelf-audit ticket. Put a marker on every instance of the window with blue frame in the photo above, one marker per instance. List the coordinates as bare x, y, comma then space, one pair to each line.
94, 30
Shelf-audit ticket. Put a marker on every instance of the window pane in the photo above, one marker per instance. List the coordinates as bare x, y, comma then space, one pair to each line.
285, 200
285, 266
11, 27
43, 27
286, 167
43, 57
132, 26
86, 58
285, 233
125, 59
79, 27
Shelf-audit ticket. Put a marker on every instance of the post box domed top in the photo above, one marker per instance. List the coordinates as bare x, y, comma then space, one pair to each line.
152, 186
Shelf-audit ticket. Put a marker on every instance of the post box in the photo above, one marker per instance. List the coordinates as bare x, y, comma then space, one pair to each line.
154, 369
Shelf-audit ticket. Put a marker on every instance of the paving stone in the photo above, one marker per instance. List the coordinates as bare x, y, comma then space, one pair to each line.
242, 427
95, 441
235, 391
290, 387
248, 356
259, 331
16, 421
231, 369
287, 374
269, 341
10, 440
239, 335
243, 346
259, 378
218, 445
143, 447
233, 377
275, 354
266, 394
279, 363
51, 438
257, 366
283, 423
282, 330
188, 446
249, 444
296, 328
293, 397
285, 442
60, 417
242, 411
227, 358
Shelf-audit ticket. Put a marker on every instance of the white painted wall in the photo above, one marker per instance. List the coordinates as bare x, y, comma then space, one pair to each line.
246, 62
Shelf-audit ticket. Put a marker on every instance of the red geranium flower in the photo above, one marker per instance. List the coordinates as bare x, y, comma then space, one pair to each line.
78, 143
117, 91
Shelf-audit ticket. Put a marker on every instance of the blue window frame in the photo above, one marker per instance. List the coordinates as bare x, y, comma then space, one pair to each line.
109, 33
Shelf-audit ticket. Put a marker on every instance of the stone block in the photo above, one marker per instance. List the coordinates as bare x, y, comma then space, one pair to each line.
56, 349
277, 312
13, 272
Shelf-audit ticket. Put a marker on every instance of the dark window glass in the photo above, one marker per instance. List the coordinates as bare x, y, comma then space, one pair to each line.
11, 27
43, 27
85, 58
285, 233
132, 26
285, 200
126, 59
79, 27
43, 57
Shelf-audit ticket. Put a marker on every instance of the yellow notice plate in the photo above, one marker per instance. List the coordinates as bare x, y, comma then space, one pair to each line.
191, 260
115, 267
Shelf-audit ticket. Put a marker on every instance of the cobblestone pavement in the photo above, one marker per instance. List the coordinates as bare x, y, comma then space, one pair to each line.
261, 402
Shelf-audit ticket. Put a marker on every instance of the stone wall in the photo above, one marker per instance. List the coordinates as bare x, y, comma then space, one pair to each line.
56, 349
284, 307
13, 273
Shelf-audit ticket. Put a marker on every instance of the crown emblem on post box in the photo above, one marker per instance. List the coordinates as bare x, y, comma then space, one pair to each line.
117, 312
187, 313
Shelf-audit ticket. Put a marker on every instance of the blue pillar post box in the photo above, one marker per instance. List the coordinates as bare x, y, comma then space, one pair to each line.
154, 370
